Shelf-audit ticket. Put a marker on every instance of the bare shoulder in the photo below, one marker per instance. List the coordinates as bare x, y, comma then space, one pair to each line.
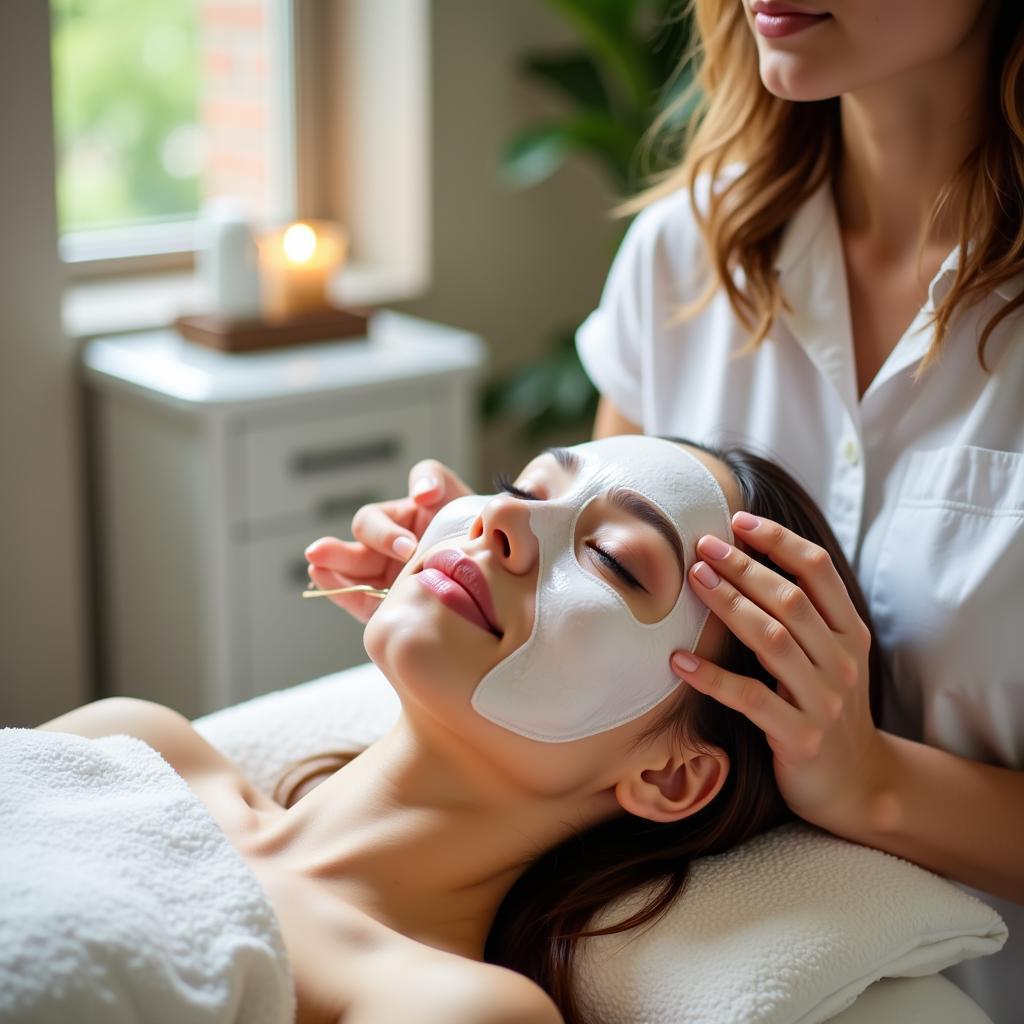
454, 990
500, 996
164, 729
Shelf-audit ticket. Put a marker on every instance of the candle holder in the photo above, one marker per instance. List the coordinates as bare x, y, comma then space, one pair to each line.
296, 264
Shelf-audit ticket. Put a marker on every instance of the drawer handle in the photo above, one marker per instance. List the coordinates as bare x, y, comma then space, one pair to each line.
330, 459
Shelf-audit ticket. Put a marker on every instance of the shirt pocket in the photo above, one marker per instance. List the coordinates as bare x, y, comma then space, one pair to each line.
948, 602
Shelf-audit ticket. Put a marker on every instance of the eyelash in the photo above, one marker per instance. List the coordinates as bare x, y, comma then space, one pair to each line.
504, 483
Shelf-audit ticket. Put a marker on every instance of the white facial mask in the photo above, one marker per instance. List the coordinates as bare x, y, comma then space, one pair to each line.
589, 665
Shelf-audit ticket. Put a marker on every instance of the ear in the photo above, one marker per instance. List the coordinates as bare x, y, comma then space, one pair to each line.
680, 785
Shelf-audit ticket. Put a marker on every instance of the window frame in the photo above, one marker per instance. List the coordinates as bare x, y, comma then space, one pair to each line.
341, 90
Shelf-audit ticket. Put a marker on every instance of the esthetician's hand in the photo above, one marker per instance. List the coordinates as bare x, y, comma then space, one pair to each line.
386, 534
811, 639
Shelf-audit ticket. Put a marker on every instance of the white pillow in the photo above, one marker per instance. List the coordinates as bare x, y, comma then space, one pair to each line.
788, 929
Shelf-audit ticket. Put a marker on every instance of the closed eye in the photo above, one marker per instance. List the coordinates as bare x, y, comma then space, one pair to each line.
504, 483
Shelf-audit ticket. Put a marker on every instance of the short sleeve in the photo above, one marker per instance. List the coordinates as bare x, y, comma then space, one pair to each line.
645, 285
608, 341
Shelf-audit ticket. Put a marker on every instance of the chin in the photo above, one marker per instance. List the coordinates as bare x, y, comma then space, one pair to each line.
789, 77
423, 657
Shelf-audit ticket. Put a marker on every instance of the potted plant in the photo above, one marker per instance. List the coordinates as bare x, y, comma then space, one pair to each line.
624, 71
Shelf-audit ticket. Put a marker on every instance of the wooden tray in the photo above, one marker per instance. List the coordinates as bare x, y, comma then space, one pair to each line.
247, 335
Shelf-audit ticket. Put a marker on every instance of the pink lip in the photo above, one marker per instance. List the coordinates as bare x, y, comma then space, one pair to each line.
774, 20
458, 582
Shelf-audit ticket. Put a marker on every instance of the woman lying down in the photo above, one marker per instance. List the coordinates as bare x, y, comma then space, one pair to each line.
546, 759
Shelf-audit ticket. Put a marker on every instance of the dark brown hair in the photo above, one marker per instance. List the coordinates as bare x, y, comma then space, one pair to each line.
546, 912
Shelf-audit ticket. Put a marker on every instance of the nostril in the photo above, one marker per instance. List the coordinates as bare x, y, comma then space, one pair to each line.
506, 548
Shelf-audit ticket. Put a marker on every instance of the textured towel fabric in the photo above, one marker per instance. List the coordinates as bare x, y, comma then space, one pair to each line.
788, 929
121, 900
791, 927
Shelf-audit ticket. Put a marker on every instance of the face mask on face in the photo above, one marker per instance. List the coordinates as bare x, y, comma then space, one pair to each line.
589, 665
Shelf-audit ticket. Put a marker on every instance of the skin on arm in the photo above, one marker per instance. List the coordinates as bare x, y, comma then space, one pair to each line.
609, 421
954, 816
169, 733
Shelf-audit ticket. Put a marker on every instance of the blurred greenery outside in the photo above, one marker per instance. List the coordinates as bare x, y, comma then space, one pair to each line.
126, 94
625, 70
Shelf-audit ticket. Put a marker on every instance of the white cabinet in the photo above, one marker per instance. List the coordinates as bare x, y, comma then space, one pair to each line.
211, 473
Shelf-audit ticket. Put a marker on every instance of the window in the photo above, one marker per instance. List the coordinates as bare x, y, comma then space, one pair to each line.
344, 113
160, 105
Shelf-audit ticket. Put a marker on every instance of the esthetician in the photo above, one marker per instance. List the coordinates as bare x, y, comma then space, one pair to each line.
833, 277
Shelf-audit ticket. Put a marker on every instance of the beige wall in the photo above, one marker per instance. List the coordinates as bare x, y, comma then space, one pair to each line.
512, 266
43, 654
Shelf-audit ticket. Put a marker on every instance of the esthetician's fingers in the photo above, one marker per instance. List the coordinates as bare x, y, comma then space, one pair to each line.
359, 606
355, 561
809, 563
784, 601
432, 484
783, 724
391, 529
772, 643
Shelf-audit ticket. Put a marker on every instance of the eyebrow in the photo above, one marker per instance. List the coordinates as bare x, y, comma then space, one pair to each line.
631, 503
569, 461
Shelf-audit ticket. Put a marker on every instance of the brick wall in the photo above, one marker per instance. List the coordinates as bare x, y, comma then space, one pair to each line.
234, 108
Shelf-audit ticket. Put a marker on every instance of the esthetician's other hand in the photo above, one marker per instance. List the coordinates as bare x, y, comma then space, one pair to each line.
827, 752
386, 534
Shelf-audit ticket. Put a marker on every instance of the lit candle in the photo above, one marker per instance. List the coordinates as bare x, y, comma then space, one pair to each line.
296, 263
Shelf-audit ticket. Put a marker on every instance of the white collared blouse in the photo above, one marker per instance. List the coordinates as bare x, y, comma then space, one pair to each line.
922, 481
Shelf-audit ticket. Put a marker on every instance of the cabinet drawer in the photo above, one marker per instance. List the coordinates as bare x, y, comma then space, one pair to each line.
309, 468
289, 639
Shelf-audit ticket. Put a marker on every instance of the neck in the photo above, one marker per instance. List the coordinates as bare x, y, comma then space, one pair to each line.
427, 845
903, 140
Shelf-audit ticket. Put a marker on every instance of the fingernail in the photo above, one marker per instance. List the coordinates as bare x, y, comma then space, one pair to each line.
745, 521
713, 547
685, 662
706, 575
403, 547
423, 485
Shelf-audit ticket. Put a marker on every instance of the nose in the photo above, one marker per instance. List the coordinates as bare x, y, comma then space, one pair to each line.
504, 526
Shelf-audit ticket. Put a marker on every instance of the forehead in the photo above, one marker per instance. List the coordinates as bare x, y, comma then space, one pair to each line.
685, 487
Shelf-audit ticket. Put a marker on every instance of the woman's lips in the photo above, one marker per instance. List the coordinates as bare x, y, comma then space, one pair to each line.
460, 585
776, 19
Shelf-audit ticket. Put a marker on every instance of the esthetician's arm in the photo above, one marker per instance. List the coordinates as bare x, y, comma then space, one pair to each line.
957, 817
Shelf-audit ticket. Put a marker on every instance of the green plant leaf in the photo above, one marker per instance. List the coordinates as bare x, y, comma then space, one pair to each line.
572, 74
536, 153
606, 29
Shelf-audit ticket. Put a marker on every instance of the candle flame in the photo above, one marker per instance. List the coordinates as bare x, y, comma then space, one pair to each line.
299, 243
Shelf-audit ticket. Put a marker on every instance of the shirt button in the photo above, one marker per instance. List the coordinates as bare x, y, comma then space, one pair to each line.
851, 451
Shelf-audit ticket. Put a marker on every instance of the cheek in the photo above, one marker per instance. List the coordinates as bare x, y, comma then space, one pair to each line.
866, 43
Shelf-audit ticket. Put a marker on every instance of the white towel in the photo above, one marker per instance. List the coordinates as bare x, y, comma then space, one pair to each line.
121, 900
787, 929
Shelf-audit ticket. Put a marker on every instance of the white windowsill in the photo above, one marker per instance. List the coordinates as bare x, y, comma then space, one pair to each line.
143, 302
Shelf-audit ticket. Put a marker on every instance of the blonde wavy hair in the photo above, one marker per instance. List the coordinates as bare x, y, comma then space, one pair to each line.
789, 149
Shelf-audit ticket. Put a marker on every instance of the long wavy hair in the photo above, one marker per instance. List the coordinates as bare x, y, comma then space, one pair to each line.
545, 914
789, 149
